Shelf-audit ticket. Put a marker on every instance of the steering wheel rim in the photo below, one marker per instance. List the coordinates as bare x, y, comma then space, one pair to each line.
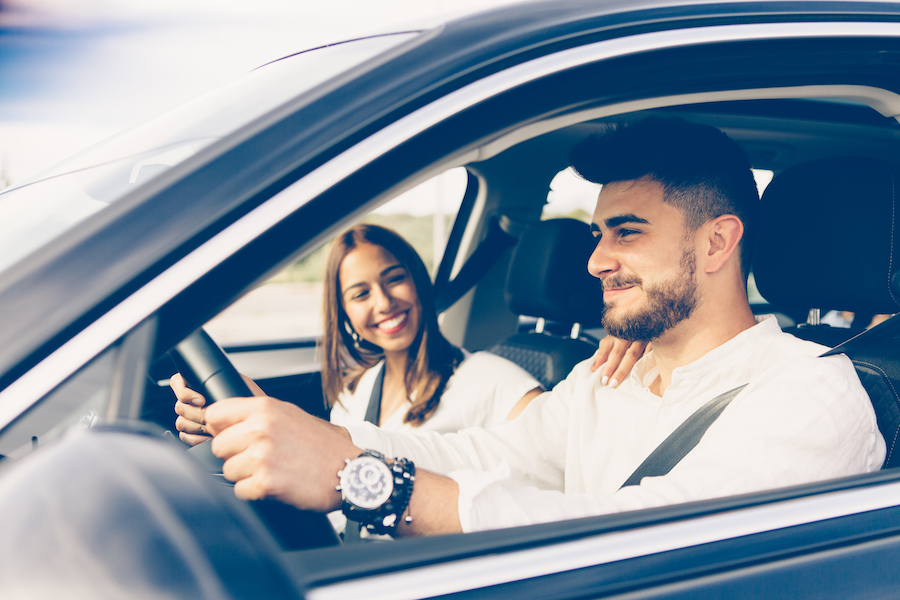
207, 369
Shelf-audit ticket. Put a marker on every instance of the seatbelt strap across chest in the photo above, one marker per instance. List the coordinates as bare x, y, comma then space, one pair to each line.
681, 441
373, 412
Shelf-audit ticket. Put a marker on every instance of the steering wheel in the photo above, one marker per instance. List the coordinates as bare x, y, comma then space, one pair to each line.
207, 370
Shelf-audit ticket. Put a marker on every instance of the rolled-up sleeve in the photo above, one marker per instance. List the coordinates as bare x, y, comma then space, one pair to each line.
529, 450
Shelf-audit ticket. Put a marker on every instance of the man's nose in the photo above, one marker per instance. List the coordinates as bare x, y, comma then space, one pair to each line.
602, 262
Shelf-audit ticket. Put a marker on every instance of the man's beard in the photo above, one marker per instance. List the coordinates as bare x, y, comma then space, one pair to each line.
668, 303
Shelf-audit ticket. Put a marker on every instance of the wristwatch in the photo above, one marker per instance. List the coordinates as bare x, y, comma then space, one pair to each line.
376, 492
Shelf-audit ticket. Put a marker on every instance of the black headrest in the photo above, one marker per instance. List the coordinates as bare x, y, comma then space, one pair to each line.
548, 276
827, 235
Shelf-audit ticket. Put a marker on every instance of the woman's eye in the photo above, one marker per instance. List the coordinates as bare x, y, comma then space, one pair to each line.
397, 278
359, 295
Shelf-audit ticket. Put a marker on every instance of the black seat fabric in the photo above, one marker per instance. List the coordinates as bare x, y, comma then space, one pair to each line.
878, 370
548, 279
827, 235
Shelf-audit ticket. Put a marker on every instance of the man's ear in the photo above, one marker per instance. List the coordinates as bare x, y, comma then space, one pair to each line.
722, 235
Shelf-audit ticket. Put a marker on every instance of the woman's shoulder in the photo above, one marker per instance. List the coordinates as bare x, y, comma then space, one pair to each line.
488, 359
485, 365
484, 389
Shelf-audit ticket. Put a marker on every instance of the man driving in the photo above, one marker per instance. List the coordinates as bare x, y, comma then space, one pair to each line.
674, 224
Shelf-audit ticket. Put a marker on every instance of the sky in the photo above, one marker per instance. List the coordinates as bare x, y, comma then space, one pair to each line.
74, 72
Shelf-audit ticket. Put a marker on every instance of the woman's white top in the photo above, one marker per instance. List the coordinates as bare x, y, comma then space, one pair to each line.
480, 393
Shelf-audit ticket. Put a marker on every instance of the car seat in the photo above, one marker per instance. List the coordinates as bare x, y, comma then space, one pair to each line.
826, 237
548, 280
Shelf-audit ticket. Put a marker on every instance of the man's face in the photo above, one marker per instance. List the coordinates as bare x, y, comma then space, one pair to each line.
644, 259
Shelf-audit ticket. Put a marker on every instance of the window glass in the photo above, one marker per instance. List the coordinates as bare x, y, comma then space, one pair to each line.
572, 196
41, 209
81, 401
289, 305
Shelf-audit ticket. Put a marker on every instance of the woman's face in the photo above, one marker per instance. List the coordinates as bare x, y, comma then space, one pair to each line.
379, 297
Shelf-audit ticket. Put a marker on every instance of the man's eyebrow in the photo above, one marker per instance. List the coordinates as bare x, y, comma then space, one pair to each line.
613, 222
622, 219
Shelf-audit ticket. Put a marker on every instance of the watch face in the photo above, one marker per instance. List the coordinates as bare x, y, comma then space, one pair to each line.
367, 482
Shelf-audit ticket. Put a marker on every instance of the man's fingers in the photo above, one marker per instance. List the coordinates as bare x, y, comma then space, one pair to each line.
250, 474
222, 415
193, 440
233, 440
251, 488
191, 427
190, 413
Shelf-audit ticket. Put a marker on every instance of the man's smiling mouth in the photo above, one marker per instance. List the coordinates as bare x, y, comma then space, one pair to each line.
619, 284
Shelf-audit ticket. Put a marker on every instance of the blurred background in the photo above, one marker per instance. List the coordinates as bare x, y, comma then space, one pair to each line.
74, 72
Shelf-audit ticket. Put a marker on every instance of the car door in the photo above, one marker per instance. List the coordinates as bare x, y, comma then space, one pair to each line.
312, 169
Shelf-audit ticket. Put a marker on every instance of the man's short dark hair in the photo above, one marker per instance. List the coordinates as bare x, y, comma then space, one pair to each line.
704, 173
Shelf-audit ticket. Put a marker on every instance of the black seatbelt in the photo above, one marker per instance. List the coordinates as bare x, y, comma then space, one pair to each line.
889, 327
681, 441
373, 411
489, 250
675, 447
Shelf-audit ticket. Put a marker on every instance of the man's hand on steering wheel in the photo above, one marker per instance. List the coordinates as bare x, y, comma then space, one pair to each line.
191, 409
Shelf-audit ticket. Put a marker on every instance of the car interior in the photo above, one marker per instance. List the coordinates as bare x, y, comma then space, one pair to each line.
797, 269
826, 242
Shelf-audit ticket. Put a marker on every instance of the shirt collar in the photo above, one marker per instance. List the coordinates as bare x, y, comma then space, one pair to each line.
645, 370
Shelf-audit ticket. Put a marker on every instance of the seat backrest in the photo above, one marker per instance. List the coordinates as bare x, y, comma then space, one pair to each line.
827, 232
548, 279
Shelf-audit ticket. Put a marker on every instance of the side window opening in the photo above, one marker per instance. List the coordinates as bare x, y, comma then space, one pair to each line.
571, 196
108, 389
289, 305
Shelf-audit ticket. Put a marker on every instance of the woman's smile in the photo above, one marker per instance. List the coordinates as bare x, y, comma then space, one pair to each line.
379, 298
394, 323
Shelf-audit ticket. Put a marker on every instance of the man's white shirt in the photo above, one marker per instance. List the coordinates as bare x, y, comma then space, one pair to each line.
800, 419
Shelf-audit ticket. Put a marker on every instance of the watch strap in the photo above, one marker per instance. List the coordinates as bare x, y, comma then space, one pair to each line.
384, 519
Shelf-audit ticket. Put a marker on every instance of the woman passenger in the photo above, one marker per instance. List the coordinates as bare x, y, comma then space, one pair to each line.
384, 355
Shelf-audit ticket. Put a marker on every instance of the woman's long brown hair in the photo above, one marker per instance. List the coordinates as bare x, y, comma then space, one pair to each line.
432, 359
